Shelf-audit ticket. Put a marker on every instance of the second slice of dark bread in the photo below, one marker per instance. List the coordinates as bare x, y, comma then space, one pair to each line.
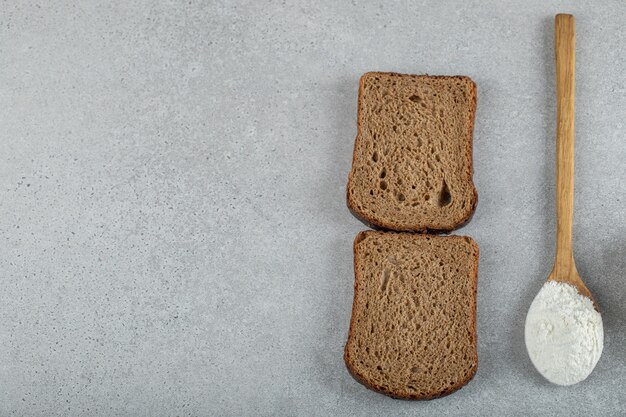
412, 162
413, 328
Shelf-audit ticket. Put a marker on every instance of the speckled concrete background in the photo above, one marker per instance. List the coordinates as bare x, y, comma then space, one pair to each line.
175, 239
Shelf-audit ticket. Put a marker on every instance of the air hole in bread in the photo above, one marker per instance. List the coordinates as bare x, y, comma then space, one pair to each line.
375, 156
383, 173
445, 198
414, 98
384, 280
383, 185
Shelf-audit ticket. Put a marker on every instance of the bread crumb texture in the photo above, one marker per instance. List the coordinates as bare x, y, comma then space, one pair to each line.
412, 163
413, 328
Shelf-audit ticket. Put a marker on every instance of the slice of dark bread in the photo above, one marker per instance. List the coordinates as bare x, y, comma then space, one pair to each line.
412, 163
413, 328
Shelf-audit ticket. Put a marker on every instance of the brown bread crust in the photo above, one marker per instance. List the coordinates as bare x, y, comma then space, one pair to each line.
349, 361
431, 228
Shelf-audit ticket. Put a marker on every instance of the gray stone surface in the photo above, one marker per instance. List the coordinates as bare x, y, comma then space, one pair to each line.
175, 239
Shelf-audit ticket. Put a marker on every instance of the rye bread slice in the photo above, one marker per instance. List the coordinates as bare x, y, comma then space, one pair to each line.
412, 162
413, 328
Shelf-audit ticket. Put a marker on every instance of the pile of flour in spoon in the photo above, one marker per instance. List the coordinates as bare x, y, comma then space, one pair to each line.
564, 334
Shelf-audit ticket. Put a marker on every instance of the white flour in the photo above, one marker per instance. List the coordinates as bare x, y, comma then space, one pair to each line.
564, 334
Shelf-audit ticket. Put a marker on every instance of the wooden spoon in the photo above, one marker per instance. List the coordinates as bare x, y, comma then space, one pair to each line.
564, 269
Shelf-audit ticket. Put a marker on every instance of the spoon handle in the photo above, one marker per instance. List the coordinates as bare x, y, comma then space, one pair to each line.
565, 45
